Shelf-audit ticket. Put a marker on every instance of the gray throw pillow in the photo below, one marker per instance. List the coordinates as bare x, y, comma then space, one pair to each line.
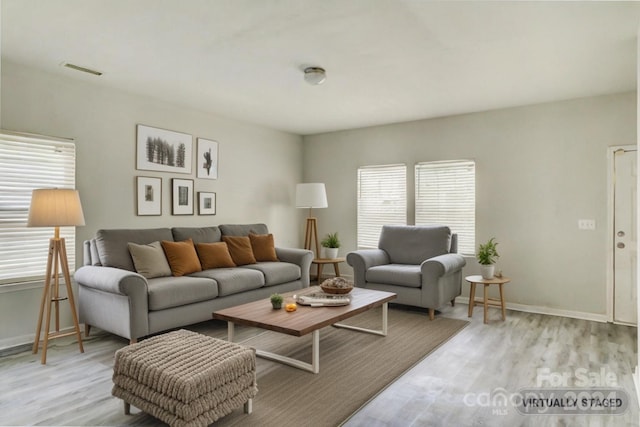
149, 260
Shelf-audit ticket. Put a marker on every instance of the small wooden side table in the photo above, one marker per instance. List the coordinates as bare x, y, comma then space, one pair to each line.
320, 262
478, 280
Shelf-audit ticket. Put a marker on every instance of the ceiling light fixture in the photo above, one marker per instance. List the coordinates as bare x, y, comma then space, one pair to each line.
315, 75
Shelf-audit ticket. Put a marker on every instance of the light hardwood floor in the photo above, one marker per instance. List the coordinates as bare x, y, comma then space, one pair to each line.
448, 388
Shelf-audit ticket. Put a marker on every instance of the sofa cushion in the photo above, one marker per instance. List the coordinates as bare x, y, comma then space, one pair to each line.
263, 247
149, 260
214, 255
276, 273
197, 234
243, 229
113, 244
166, 292
395, 274
233, 280
182, 257
240, 249
406, 244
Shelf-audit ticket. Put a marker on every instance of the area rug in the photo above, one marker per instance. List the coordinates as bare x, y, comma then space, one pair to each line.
354, 367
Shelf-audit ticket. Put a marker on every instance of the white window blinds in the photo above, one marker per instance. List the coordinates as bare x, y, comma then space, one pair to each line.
28, 162
382, 199
446, 194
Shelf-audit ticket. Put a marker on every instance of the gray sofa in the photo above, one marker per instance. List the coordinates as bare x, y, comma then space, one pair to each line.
114, 298
418, 263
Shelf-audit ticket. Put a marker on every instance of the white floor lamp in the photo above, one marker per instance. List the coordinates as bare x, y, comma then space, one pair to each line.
55, 208
311, 195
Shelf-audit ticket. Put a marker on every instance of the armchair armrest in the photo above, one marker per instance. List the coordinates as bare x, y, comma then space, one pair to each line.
363, 260
301, 257
442, 265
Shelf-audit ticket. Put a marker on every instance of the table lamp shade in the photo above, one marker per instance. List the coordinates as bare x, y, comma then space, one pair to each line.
55, 207
311, 195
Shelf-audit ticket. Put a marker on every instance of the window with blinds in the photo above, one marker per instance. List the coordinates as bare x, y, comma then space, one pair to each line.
382, 199
446, 194
28, 162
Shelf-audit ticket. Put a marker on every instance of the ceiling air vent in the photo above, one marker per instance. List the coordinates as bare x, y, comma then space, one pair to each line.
83, 69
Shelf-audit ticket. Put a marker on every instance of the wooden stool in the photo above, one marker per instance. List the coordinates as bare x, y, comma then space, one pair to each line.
478, 280
320, 262
184, 378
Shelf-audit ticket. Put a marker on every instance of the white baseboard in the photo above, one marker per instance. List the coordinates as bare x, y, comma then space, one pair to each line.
548, 310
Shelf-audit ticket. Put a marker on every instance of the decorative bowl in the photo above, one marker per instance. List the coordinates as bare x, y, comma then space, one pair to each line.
337, 285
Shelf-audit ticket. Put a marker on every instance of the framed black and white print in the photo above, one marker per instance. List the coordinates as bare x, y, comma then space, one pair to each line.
207, 159
182, 196
206, 203
148, 195
163, 150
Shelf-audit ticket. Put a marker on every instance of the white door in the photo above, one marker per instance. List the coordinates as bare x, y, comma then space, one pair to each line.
625, 287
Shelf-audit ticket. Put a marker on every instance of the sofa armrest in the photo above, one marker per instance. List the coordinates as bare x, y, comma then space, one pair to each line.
109, 279
442, 265
363, 260
300, 257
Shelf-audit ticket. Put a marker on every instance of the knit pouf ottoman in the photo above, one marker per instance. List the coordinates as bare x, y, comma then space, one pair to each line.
184, 378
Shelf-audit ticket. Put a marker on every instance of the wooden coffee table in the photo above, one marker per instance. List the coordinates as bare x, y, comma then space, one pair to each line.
305, 320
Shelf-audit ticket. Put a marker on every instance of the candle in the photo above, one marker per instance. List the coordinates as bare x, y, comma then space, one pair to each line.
290, 304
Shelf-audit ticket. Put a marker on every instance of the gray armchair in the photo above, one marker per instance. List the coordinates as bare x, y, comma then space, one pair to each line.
418, 263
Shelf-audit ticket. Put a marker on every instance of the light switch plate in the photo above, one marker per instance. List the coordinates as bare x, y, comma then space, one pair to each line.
587, 224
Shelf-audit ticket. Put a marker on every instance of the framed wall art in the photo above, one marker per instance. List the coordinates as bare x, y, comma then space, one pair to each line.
207, 159
163, 150
148, 195
182, 196
206, 203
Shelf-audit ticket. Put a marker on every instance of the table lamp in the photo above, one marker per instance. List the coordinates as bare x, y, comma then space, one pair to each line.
311, 195
56, 208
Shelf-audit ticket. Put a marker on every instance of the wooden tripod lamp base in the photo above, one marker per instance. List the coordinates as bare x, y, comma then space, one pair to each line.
51, 297
311, 233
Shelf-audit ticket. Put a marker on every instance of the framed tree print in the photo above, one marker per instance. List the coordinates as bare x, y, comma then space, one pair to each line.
163, 150
182, 196
148, 195
207, 159
206, 203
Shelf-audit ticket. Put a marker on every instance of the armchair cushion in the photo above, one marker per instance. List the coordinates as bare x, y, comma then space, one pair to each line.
395, 274
407, 244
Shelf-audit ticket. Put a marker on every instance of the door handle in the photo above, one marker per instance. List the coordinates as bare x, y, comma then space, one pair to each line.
620, 233
620, 245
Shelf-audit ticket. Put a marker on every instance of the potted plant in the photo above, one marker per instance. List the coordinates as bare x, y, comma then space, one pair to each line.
276, 301
487, 256
331, 243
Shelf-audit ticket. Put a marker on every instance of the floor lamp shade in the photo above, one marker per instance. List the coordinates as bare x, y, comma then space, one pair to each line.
55, 207
311, 195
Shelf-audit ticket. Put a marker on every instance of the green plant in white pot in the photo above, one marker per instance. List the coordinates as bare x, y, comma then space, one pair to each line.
487, 256
331, 244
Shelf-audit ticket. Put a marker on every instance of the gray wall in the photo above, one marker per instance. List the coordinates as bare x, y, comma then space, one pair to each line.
259, 167
538, 170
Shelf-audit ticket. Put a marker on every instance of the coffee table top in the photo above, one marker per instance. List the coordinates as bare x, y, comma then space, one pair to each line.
305, 319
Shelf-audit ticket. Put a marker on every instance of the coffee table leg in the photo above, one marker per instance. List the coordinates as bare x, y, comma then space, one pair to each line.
382, 332
230, 331
314, 366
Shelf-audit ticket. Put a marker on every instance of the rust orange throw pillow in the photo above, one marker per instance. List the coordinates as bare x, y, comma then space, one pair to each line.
240, 249
263, 247
214, 255
182, 257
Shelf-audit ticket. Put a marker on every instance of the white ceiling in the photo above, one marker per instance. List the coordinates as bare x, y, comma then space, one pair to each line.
387, 61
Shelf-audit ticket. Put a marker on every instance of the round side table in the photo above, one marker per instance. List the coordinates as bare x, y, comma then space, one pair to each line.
478, 280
